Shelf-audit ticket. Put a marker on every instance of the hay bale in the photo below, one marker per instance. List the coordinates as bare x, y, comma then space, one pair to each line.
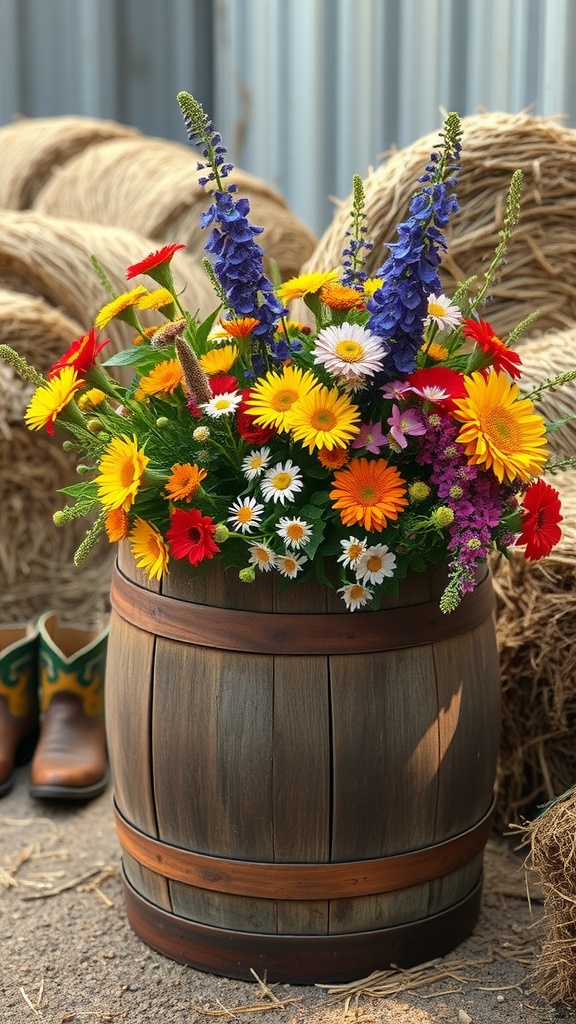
543, 357
49, 257
536, 624
30, 149
541, 270
150, 185
36, 557
552, 839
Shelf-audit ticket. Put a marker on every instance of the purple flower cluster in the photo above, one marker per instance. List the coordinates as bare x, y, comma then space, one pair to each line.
398, 309
474, 497
353, 274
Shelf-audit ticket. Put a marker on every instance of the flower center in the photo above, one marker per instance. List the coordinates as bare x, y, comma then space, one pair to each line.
323, 419
349, 350
127, 474
281, 481
374, 563
356, 591
435, 309
284, 399
245, 514
502, 429
295, 531
367, 495
354, 552
222, 403
262, 555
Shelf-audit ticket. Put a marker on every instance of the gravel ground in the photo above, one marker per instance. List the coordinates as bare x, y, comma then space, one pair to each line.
67, 954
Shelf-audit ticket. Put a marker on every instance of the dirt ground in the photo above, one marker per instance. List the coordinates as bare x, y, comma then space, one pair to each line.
68, 955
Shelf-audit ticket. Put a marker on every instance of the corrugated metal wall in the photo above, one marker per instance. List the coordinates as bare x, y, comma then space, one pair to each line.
305, 92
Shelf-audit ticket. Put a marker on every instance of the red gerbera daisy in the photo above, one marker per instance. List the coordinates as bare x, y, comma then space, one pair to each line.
503, 358
438, 384
222, 382
154, 261
246, 426
81, 354
540, 518
191, 535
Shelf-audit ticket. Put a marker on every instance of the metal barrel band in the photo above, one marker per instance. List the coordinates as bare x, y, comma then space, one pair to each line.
289, 881
283, 633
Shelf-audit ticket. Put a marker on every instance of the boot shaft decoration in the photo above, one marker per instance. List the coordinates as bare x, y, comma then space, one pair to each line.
72, 660
19, 669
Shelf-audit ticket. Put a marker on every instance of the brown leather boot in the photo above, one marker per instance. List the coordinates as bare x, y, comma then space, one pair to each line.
18, 699
70, 761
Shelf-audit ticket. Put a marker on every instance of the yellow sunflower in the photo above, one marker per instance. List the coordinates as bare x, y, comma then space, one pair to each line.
369, 492
219, 360
305, 284
121, 470
500, 430
162, 380
149, 549
119, 305
323, 418
272, 397
184, 481
51, 398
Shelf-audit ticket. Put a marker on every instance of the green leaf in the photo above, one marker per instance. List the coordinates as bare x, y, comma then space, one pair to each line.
140, 355
87, 491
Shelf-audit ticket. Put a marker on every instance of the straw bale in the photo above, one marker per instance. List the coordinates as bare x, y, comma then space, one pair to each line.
30, 148
36, 557
552, 839
150, 185
536, 625
50, 257
540, 273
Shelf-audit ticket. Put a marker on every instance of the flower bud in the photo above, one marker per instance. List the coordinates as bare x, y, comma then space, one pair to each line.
163, 423
418, 491
221, 533
443, 516
95, 426
201, 434
247, 575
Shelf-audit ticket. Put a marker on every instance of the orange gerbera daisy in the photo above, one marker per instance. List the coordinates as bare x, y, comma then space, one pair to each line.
162, 380
240, 328
368, 492
332, 458
116, 524
184, 481
338, 296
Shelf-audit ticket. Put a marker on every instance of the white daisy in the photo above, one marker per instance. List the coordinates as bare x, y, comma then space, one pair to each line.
374, 564
255, 463
355, 595
351, 551
281, 482
262, 556
350, 351
290, 565
245, 514
295, 532
222, 404
442, 312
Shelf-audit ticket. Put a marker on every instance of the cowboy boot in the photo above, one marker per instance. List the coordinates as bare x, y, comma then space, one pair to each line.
70, 760
18, 699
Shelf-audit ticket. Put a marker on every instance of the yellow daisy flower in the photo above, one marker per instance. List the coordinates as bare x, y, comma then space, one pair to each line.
219, 360
272, 397
157, 299
149, 549
323, 418
500, 430
184, 481
121, 470
162, 380
435, 351
305, 284
118, 306
90, 399
49, 400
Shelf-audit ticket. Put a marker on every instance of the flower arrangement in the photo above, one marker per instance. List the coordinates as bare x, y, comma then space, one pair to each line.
390, 435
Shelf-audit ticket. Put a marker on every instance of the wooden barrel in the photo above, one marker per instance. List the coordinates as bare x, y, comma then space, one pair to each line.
300, 790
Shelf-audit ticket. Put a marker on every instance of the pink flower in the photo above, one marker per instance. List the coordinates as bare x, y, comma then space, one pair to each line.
369, 437
408, 422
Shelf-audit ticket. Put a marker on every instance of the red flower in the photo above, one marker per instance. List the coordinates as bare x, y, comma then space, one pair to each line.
503, 358
222, 383
81, 354
191, 535
540, 518
439, 385
246, 426
155, 259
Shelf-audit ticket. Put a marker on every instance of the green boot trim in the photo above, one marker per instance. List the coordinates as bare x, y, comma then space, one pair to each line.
72, 660
19, 669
